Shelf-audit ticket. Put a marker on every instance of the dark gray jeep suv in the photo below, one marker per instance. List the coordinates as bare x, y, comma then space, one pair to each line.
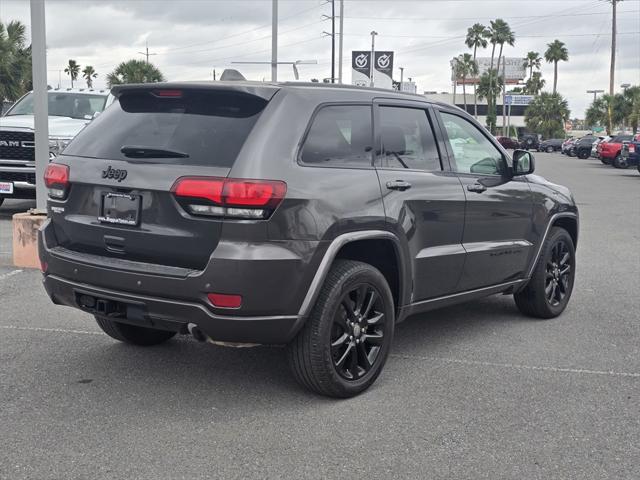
308, 215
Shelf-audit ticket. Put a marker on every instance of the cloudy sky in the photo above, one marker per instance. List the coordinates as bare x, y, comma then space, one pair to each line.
192, 37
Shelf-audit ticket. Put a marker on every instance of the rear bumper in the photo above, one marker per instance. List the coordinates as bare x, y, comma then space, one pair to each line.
175, 315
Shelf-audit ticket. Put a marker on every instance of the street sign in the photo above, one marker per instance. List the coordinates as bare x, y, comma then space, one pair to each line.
518, 99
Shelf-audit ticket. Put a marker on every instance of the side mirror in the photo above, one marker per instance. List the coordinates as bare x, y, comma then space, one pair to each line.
523, 163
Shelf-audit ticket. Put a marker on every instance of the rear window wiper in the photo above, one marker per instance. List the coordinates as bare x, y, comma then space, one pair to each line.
137, 151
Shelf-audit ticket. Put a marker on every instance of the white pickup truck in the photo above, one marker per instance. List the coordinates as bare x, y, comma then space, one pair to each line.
69, 111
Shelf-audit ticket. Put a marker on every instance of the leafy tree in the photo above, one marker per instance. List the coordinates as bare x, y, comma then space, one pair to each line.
476, 38
624, 108
15, 61
73, 69
89, 74
135, 71
535, 84
531, 61
490, 87
556, 52
547, 114
632, 97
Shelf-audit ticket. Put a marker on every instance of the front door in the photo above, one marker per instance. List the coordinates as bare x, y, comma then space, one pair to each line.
423, 200
498, 220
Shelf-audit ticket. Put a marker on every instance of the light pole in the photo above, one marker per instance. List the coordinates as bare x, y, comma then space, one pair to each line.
595, 93
401, 77
373, 55
274, 41
340, 41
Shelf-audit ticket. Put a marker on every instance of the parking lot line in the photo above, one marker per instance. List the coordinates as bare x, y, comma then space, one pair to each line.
481, 363
9, 274
475, 363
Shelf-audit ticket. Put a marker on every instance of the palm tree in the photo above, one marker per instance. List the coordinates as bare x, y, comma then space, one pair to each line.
556, 52
489, 89
135, 71
531, 61
500, 33
466, 66
547, 114
73, 69
632, 97
15, 61
476, 37
89, 74
535, 84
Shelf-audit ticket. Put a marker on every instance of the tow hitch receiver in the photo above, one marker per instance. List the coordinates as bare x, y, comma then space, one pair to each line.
101, 306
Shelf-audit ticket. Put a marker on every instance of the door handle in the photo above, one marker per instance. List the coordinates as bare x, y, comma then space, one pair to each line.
398, 185
476, 187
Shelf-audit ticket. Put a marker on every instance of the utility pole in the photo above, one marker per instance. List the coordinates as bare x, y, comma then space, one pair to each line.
373, 58
40, 103
401, 77
333, 41
612, 71
340, 41
504, 94
274, 40
146, 51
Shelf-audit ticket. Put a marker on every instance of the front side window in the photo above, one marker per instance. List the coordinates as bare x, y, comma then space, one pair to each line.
472, 151
407, 140
340, 135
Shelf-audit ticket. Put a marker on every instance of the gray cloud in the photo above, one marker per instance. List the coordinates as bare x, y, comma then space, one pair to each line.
192, 37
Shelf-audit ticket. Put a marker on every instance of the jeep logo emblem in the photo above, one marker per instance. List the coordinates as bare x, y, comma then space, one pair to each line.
114, 173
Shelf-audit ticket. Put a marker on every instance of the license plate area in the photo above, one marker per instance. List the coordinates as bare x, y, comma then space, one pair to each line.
120, 209
6, 188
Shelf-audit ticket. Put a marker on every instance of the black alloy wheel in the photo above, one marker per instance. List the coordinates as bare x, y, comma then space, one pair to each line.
559, 271
345, 342
357, 334
620, 162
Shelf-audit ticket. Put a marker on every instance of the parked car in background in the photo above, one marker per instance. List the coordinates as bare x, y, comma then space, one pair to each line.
508, 142
582, 147
630, 153
529, 141
594, 145
550, 145
567, 146
609, 152
69, 111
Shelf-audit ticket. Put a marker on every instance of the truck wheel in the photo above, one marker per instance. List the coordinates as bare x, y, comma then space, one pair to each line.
620, 162
133, 334
549, 289
345, 342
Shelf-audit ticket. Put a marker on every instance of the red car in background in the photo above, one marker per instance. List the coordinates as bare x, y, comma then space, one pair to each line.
609, 152
508, 142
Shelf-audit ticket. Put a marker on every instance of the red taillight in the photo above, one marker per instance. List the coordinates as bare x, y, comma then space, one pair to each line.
56, 179
229, 197
221, 300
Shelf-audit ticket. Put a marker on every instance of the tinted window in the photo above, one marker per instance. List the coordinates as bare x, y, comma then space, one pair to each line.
210, 127
339, 135
622, 138
407, 139
472, 151
63, 104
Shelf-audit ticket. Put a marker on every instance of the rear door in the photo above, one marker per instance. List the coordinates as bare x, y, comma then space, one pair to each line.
498, 220
423, 200
125, 163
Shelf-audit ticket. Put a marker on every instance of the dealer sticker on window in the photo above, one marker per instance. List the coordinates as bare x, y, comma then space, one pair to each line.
6, 188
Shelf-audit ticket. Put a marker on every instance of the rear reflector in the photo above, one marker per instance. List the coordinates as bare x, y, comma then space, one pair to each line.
229, 197
56, 179
221, 300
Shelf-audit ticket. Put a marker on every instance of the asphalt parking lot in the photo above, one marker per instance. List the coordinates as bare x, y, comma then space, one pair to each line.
471, 392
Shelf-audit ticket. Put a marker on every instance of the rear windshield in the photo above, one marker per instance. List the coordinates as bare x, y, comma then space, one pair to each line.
64, 104
621, 138
206, 127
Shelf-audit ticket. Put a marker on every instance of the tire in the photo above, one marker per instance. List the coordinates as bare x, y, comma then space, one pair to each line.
132, 334
541, 298
583, 154
328, 356
606, 161
549, 149
620, 162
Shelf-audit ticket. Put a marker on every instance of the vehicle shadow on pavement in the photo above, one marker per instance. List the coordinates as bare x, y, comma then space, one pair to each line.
198, 375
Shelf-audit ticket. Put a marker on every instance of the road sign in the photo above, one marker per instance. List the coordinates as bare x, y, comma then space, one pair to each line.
518, 99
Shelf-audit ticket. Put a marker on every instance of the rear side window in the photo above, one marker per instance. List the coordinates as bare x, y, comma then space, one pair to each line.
340, 135
407, 139
209, 127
